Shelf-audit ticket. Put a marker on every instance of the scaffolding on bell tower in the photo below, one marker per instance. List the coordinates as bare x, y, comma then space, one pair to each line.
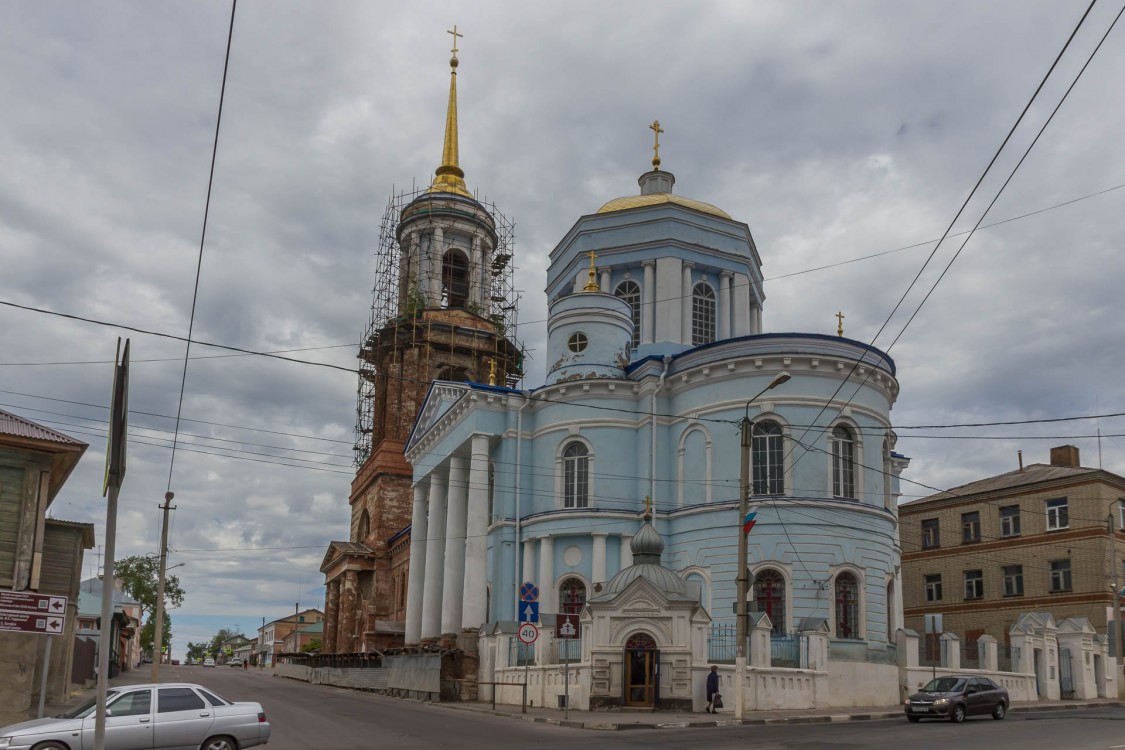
401, 317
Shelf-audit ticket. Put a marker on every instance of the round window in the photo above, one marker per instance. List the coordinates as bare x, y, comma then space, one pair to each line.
577, 342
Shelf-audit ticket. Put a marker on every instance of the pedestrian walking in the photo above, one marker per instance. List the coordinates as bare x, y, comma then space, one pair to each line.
714, 697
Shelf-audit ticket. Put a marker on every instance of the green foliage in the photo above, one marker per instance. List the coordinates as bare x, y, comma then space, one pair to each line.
312, 646
150, 628
141, 577
415, 302
216, 646
196, 651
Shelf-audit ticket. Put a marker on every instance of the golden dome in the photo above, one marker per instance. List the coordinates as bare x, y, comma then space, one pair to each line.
654, 199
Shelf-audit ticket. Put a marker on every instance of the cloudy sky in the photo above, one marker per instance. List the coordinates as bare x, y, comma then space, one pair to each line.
846, 135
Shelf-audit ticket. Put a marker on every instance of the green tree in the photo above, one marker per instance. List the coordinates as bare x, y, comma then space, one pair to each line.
312, 646
224, 634
150, 628
195, 651
140, 577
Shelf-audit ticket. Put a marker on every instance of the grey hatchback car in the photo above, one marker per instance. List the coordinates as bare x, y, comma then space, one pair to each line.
172, 716
955, 697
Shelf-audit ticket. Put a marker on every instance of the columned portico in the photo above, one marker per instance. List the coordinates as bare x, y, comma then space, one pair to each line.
457, 510
475, 609
417, 571
435, 557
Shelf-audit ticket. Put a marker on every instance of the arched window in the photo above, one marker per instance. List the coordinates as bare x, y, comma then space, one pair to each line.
769, 597
768, 451
630, 291
454, 279
847, 606
572, 597
702, 314
843, 462
576, 476
364, 526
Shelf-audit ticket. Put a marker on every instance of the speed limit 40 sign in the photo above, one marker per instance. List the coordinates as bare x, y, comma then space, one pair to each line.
528, 633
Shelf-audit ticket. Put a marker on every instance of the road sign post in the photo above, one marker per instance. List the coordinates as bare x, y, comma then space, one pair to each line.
529, 594
34, 613
566, 629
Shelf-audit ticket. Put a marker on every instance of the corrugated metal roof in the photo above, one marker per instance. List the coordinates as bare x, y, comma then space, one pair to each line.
10, 424
1031, 474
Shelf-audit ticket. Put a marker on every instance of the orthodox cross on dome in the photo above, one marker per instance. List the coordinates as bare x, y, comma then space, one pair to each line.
648, 506
492, 372
656, 131
455, 35
592, 278
839, 324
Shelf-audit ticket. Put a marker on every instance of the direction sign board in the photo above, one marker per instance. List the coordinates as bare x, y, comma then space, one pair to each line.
24, 601
29, 622
529, 592
529, 611
529, 633
566, 627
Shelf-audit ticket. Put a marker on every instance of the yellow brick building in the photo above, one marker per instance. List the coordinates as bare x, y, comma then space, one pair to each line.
1037, 539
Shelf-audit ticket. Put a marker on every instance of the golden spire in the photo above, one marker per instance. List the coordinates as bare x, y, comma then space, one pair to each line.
656, 131
449, 177
839, 324
592, 279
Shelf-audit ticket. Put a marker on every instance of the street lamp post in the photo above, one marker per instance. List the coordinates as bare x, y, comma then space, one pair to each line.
743, 580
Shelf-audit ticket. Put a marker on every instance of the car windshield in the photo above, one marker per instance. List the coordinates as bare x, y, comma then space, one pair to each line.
87, 707
944, 685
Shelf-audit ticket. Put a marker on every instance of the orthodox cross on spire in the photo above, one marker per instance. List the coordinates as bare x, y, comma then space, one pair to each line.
455, 35
839, 324
648, 506
656, 131
592, 278
449, 178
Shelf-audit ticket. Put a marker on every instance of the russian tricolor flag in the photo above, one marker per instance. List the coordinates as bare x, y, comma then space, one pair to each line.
749, 521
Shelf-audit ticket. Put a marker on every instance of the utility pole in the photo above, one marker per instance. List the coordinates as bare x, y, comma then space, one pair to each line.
1113, 630
743, 580
158, 631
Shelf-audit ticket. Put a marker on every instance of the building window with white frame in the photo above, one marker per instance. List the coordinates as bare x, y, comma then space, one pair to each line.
630, 291
1010, 520
933, 587
1060, 575
931, 533
970, 527
702, 314
843, 462
1121, 515
576, 476
847, 606
1058, 514
1013, 580
768, 458
974, 584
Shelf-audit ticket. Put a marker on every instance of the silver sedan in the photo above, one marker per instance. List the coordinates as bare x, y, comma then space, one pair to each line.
174, 716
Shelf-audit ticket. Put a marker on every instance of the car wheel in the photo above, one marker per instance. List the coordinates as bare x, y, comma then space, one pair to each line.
50, 746
957, 715
913, 719
219, 743
1000, 711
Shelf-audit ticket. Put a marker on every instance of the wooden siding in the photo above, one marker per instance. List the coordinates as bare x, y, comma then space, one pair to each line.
11, 494
61, 561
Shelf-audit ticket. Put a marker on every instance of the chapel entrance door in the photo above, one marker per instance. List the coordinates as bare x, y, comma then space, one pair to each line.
642, 669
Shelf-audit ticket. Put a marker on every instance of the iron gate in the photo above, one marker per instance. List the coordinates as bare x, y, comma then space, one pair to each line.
1066, 677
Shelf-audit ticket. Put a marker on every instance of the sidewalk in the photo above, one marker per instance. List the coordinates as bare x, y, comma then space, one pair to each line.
634, 719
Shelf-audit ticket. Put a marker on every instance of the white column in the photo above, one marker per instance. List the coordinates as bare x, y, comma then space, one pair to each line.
669, 288
724, 305
741, 305
648, 306
475, 610
604, 282
417, 569
529, 571
626, 551
755, 319
476, 274
546, 582
597, 562
435, 557
685, 302
455, 516
897, 603
437, 253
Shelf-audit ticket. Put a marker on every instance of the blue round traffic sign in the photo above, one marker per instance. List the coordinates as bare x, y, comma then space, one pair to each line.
529, 592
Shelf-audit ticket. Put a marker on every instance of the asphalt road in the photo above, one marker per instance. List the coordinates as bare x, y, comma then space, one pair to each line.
315, 717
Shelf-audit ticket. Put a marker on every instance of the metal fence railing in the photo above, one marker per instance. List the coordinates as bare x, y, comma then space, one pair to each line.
566, 651
786, 650
520, 654
1007, 658
722, 644
970, 655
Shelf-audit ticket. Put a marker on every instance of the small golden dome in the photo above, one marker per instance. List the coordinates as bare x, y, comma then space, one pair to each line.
654, 199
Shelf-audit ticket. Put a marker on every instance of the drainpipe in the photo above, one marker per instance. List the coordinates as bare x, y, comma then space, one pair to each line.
519, 519
652, 450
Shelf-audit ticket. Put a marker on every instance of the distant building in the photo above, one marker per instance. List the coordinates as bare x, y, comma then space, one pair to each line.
272, 635
125, 640
37, 554
1031, 540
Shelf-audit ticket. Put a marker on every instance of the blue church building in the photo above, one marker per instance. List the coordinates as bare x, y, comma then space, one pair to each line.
656, 352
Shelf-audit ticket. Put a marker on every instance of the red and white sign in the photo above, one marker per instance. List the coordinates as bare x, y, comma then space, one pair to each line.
32, 613
567, 627
529, 633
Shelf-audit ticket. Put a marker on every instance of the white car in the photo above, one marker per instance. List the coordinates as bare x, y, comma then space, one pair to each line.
147, 716
208, 662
